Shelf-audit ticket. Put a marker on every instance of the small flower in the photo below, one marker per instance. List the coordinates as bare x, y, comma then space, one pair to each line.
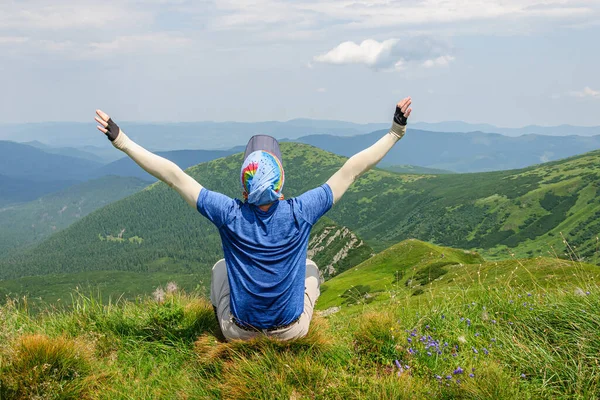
493, 340
409, 340
485, 351
429, 353
438, 377
588, 293
398, 364
475, 350
445, 344
468, 322
458, 370
523, 376
426, 326
448, 377
171, 287
471, 375
159, 295
528, 294
476, 334
493, 321
443, 316
458, 381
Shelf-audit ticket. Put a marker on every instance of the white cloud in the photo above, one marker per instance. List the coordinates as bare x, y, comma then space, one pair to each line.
370, 52
441, 61
585, 93
390, 54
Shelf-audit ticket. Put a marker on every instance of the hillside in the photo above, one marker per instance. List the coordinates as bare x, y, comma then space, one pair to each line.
472, 334
416, 268
462, 152
18, 190
521, 212
25, 224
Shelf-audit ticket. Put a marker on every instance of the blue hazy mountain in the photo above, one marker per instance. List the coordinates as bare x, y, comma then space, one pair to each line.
460, 126
462, 152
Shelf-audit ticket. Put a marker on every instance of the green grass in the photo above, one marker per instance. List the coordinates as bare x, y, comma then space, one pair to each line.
524, 328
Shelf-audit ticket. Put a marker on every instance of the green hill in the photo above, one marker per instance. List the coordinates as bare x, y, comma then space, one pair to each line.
519, 212
25, 224
415, 268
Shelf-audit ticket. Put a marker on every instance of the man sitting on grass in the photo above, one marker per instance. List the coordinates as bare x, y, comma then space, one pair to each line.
264, 285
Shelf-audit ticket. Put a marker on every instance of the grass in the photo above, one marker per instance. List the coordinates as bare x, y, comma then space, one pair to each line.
482, 330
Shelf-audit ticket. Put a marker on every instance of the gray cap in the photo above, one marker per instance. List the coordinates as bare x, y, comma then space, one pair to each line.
263, 142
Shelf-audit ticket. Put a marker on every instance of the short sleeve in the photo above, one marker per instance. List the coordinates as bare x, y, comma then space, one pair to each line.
215, 206
315, 203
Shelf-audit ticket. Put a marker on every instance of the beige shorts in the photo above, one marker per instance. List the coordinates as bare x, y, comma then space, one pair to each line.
219, 296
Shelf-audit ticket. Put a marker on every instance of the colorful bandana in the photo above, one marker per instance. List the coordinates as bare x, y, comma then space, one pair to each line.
262, 178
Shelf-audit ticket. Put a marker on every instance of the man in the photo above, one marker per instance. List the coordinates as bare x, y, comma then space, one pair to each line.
264, 285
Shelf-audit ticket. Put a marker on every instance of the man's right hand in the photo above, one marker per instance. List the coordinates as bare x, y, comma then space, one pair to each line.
107, 125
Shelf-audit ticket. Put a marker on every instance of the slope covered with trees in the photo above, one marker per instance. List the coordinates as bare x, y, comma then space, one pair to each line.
520, 211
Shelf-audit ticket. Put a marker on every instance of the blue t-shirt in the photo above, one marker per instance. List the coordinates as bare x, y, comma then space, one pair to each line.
265, 252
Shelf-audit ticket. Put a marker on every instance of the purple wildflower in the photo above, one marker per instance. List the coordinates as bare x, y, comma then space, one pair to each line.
398, 364
462, 319
468, 322
475, 350
458, 381
471, 375
493, 321
485, 351
523, 376
588, 293
528, 294
438, 377
429, 353
426, 326
445, 344
510, 301
476, 334
409, 340
458, 370
493, 340
443, 316
448, 377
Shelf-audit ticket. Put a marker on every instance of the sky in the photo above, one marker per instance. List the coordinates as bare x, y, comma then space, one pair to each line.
506, 62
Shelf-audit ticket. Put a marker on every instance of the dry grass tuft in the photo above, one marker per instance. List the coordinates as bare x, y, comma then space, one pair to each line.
38, 366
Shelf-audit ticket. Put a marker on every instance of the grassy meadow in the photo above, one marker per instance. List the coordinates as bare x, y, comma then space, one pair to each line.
515, 329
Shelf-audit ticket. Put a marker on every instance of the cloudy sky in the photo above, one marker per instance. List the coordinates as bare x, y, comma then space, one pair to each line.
505, 62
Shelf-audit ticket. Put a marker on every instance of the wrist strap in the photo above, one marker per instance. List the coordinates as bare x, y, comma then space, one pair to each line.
398, 130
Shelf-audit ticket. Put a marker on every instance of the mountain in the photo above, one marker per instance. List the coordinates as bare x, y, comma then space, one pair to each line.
18, 190
26, 162
25, 224
176, 136
523, 212
66, 151
155, 229
183, 158
460, 126
462, 152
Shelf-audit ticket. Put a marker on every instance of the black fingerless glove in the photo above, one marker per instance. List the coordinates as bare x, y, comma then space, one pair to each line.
399, 117
113, 130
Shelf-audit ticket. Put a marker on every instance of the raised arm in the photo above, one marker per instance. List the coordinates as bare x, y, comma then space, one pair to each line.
157, 166
368, 158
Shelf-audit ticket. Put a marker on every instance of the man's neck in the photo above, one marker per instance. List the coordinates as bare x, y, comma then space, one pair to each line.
265, 207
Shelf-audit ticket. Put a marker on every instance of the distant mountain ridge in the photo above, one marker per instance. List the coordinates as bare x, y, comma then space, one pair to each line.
462, 152
460, 126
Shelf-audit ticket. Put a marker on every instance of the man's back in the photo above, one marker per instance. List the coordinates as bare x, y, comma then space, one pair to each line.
265, 252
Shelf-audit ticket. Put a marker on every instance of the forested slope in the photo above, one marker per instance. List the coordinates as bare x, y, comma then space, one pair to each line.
522, 210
